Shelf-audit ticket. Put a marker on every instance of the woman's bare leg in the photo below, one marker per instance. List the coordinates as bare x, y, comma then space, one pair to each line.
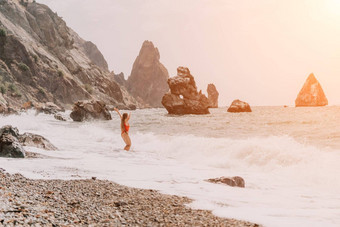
127, 141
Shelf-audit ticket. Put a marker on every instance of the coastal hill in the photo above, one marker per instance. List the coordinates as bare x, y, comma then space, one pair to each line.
43, 60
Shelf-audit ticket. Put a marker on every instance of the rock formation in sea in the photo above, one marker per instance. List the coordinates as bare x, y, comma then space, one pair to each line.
212, 96
34, 140
238, 106
311, 94
90, 110
231, 181
43, 60
10, 146
183, 97
148, 79
11, 142
59, 117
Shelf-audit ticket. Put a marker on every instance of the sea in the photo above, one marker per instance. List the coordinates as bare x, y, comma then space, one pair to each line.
288, 157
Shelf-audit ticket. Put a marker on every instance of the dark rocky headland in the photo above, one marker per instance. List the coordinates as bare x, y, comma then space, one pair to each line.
43, 60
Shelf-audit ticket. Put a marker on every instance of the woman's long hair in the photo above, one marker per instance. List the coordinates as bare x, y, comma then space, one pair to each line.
122, 124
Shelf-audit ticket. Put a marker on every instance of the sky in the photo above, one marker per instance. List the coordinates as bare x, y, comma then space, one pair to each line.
258, 51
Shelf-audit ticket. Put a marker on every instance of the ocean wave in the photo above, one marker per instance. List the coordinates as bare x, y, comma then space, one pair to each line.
283, 155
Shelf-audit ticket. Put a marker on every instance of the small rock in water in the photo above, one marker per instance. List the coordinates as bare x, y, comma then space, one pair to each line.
238, 106
33, 140
89, 110
59, 117
233, 181
47, 108
9, 144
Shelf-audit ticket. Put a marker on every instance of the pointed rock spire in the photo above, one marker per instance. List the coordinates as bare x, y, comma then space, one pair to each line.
311, 93
148, 79
212, 96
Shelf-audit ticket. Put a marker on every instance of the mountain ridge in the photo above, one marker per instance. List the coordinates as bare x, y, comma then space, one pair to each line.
42, 59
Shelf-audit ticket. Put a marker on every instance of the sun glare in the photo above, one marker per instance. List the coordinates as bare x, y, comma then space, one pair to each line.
333, 7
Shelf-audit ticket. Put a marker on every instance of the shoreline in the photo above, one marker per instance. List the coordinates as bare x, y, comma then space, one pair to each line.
25, 202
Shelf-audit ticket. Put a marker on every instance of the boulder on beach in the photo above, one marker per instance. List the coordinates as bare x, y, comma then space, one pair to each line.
47, 108
59, 117
233, 181
11, 142
10, 146
238, 106
212, 96
90, 110
311, 94
33, 140
183, 97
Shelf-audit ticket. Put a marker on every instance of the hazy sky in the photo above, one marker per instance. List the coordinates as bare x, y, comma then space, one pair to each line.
258, 51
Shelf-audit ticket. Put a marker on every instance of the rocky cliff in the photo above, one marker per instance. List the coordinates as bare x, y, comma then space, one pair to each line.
148, 79
311, 93
42, 59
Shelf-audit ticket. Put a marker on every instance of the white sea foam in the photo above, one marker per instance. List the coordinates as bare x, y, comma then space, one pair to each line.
291, 179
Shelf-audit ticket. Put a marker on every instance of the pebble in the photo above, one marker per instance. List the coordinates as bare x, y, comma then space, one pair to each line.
27, 202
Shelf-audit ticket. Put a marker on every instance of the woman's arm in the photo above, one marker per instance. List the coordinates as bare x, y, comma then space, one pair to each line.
115, 109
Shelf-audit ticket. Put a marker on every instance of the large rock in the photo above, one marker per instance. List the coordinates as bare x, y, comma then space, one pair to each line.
34, 140
212, 96
233, 181
90, 110
183, 97
238, 106
311, 93
148, 79
11, 142
10, 146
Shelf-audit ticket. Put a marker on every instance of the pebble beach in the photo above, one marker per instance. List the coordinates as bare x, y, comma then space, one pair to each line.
92, 202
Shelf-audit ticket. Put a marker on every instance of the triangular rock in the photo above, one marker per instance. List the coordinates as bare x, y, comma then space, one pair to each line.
148, 79
311, 93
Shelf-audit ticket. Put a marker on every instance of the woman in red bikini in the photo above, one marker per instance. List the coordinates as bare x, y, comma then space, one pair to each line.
125, 126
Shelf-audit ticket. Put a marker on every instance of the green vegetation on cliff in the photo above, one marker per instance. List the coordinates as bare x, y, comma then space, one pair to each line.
3, 89
3, 32
23, 67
